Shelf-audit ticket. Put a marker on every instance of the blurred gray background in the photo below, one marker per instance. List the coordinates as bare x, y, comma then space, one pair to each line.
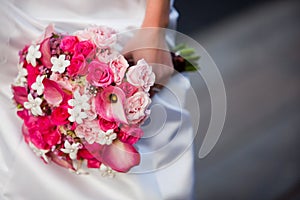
256, 46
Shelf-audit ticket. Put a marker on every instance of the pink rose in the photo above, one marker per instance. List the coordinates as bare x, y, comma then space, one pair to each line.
84, 48
141, 75
119, 66
43, 133
60, 115
130, 134
136, 107
128, 89
77, 65
102, 36
88, 130
99, 74
106, 125
68, 43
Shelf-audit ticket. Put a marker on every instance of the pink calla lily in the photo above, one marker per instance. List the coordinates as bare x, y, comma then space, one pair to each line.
46, 54
20, 94
53, 94
119, 156
109, 104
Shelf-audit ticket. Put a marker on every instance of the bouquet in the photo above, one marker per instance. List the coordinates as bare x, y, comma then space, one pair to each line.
81, 102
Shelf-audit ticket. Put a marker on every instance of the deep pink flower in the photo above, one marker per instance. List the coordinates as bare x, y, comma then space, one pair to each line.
109, 104
92, 162
106, 125
99, 74
84, 47
60, 115
68, 43
43, 133
77, 65
33, 72
130, 134
20, 94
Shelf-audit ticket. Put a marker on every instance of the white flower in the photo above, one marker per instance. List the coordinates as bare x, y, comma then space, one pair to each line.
71, 149
107, 171
76, 115
59, 64
21, 78
38, 85
39, 152
34, 105
106, 137
33, 54
80, 102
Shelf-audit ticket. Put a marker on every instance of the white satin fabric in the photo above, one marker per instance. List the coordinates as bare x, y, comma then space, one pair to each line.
166, 170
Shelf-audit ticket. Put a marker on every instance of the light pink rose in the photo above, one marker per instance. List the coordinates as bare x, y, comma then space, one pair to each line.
141, 75
102, 36
128, 89
88, 130
136, 107
118, 66
99, 74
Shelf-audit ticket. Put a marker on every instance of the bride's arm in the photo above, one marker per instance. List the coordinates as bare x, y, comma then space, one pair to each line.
157, 13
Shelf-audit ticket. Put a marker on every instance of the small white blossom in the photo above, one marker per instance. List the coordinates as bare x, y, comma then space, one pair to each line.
38, 85
59, 64
21, 78
39, 152
34, 105
33, 54
106, 137
71, 149
80, 102
107, 171
76, 115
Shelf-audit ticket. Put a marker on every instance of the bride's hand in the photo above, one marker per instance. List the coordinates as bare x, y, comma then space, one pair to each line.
150, 44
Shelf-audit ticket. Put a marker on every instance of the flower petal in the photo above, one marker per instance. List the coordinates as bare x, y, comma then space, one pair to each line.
120, 156
46, 54
109, 109
53, 93
20, 94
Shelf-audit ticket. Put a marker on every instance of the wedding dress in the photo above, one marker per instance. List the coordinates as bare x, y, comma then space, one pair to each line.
166, 169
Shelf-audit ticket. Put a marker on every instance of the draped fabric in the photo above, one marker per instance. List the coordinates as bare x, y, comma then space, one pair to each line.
166, 170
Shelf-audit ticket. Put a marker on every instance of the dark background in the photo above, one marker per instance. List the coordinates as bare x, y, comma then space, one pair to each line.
202, 14
256, 46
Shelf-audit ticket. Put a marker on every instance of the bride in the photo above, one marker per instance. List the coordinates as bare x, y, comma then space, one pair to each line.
165, 172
